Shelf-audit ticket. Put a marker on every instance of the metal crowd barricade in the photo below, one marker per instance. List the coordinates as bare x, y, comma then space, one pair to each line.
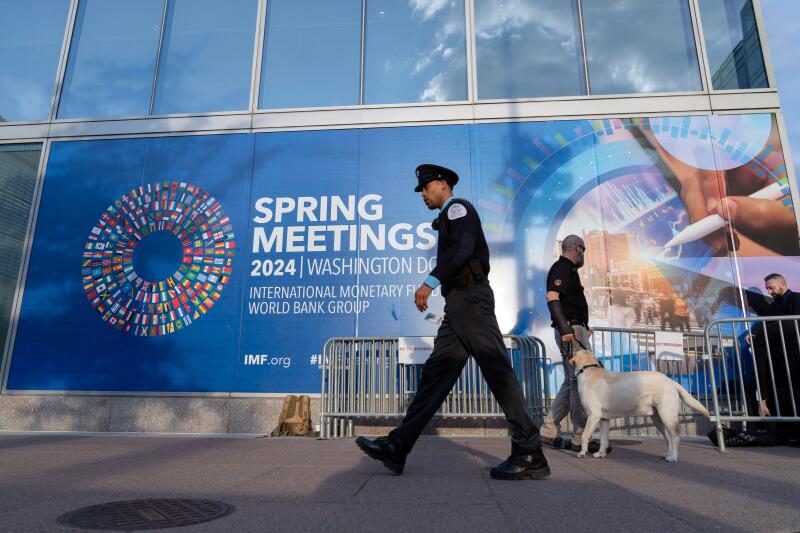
630, 349
362, 378
761, 362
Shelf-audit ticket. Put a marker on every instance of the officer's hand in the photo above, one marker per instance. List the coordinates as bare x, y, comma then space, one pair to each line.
421, 297
764, 408
569, 337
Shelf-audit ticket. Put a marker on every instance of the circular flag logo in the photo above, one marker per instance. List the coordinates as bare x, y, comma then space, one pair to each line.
158, 258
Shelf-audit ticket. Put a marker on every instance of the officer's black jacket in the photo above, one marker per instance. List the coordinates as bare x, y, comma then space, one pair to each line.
775, 344
789, 304
563, 278
461, 239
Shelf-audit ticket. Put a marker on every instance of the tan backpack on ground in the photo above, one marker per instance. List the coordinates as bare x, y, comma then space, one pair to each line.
295, 418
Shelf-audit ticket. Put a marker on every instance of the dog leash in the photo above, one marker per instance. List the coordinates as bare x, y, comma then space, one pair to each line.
599, 363
580, 343
567, 349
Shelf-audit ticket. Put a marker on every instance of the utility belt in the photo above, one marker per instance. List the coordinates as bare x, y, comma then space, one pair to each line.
470, 275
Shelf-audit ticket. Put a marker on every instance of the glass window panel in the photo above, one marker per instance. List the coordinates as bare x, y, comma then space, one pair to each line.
112, 59
732, 44
783, 54
640, 46
206, 57
18, 168
415, 51
528, 49
312, 54
30, 47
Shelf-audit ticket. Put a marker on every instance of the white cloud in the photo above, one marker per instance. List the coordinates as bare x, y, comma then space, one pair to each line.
422, 63
632, 73
495, 22
427, 57
26, 99
428, 8
556, 25
436, 90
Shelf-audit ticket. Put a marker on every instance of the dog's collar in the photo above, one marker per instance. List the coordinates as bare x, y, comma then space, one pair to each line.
595, 365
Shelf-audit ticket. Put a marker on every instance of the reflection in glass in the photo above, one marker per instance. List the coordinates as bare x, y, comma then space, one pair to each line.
644, 46
732, 44
206, 57
528, 49
30, 46
112, 59
783, 56
312, 54
18, 167
415, 52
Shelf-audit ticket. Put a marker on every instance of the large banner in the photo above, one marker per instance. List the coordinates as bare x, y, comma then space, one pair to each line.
222, 263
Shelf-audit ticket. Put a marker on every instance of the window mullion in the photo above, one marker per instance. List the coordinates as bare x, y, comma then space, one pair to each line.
158, 57
363, 47
62, 63
583, 48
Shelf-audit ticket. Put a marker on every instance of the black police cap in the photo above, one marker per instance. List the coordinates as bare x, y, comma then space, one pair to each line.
428, 172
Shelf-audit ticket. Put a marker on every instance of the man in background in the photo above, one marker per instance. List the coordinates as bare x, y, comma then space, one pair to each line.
777, 354
569, 312
666, 308
682, 314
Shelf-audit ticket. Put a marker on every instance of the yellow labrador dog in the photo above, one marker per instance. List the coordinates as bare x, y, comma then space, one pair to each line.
607, 395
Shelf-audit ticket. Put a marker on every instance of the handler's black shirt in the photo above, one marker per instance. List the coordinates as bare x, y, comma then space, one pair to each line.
563, 278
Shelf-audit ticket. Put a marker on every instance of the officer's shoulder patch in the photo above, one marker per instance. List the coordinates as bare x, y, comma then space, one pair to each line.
456, 211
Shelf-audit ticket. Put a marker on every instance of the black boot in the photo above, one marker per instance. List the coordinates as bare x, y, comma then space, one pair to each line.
559, 442
531, 466
384, 450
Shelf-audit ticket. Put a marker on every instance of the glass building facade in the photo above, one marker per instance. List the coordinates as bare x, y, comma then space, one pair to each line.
151, 58
264, 150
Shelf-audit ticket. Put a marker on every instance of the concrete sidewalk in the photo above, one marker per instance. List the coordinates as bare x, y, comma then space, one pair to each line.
309, 485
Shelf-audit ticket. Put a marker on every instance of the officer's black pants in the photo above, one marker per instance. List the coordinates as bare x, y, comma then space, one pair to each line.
469, 327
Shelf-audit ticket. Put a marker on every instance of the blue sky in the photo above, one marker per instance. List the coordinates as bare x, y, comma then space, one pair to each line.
781, 19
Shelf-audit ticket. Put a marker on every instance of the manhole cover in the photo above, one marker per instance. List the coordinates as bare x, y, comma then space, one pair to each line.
131, 515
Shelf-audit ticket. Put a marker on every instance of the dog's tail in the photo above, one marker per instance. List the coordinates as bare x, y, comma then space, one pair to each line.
690, 401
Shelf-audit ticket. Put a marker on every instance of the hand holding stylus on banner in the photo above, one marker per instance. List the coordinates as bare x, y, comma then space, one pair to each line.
746, 200
754, 212
760, 217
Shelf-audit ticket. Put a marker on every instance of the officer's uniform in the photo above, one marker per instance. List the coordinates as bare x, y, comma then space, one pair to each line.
469, 327
563, 278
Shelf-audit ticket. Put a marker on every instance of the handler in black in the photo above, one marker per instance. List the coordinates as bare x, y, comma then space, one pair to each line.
469, 327
570, 314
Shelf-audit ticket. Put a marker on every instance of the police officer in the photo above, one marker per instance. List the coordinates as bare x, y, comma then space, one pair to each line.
469, 327
570, 319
